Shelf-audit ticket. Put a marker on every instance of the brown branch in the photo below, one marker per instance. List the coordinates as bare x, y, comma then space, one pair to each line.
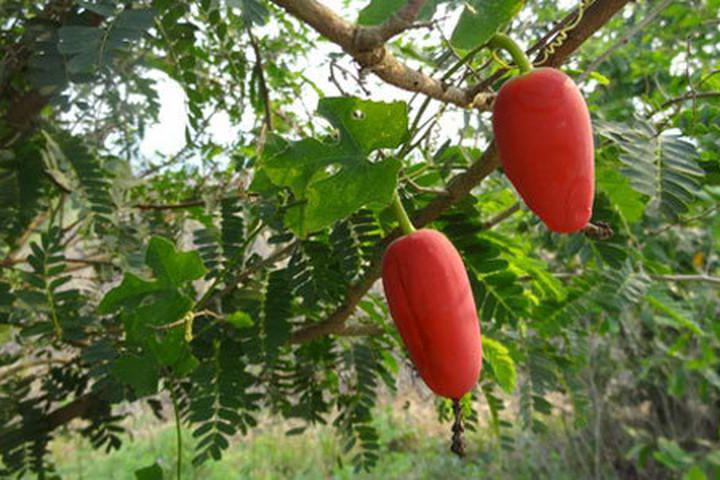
687, 278
15, 368
260, 71
378, 59
596, 16
502, 216
370, 37
232, 283
688, 96
170, 206
78, 408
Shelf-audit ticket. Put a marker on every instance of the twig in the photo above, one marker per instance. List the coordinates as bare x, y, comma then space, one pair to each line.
637, 28
15, 368
687, 278
260, 71
170, 206
684, 221
687, 96
502, 216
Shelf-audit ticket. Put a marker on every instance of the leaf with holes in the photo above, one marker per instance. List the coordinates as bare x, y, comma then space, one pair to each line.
331, 180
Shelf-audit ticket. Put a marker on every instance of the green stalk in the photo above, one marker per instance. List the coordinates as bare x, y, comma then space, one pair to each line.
500, 40
402, 216
178, 431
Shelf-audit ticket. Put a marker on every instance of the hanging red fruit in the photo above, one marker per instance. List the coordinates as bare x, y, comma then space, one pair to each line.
430, 299
544, 139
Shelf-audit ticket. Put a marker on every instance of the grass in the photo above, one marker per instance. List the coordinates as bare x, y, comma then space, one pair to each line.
413, 446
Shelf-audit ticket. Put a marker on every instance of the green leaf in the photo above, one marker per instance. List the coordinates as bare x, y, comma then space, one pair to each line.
240, 320
153, 472
629, 202
378, 11
141, 373
130, 291
695, 473
76, 39
332, 180
481, 19
104, 8
674, 316
661, 165
503, 366
172, 267
672, 455
253, 11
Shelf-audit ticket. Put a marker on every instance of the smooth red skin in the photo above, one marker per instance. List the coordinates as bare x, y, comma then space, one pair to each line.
430, 299
544, 137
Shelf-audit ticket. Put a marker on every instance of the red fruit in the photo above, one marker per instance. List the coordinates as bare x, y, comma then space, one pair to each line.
428, 291
544, 138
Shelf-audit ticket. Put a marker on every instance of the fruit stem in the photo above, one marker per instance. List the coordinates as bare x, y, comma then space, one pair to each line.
402, 216
500, 40
458, 444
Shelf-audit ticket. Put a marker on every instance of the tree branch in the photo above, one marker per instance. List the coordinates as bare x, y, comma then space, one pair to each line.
688, 96
687, 278
377, 59
599, 13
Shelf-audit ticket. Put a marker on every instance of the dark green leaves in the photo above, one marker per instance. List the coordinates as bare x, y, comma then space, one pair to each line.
156, 313
332, 179
481, 19
153, 472
171, 267
253, 11
87, 47
138, 372
378, 11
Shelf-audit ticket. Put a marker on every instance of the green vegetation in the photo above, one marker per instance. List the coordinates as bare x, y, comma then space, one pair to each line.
236, 269
414, 447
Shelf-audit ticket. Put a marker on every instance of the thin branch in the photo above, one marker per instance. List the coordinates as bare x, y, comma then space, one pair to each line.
22, 240
234, 281
687, 278
22, 365
260, 71
502, 216
675, 277
684, 221
637, 28
170, 206
688, 96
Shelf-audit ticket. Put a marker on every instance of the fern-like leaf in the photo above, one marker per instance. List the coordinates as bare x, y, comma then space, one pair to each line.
661, 165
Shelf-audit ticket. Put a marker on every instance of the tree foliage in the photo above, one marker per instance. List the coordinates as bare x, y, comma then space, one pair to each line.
235, 272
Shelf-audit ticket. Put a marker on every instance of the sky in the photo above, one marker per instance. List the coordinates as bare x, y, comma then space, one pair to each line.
167, 137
